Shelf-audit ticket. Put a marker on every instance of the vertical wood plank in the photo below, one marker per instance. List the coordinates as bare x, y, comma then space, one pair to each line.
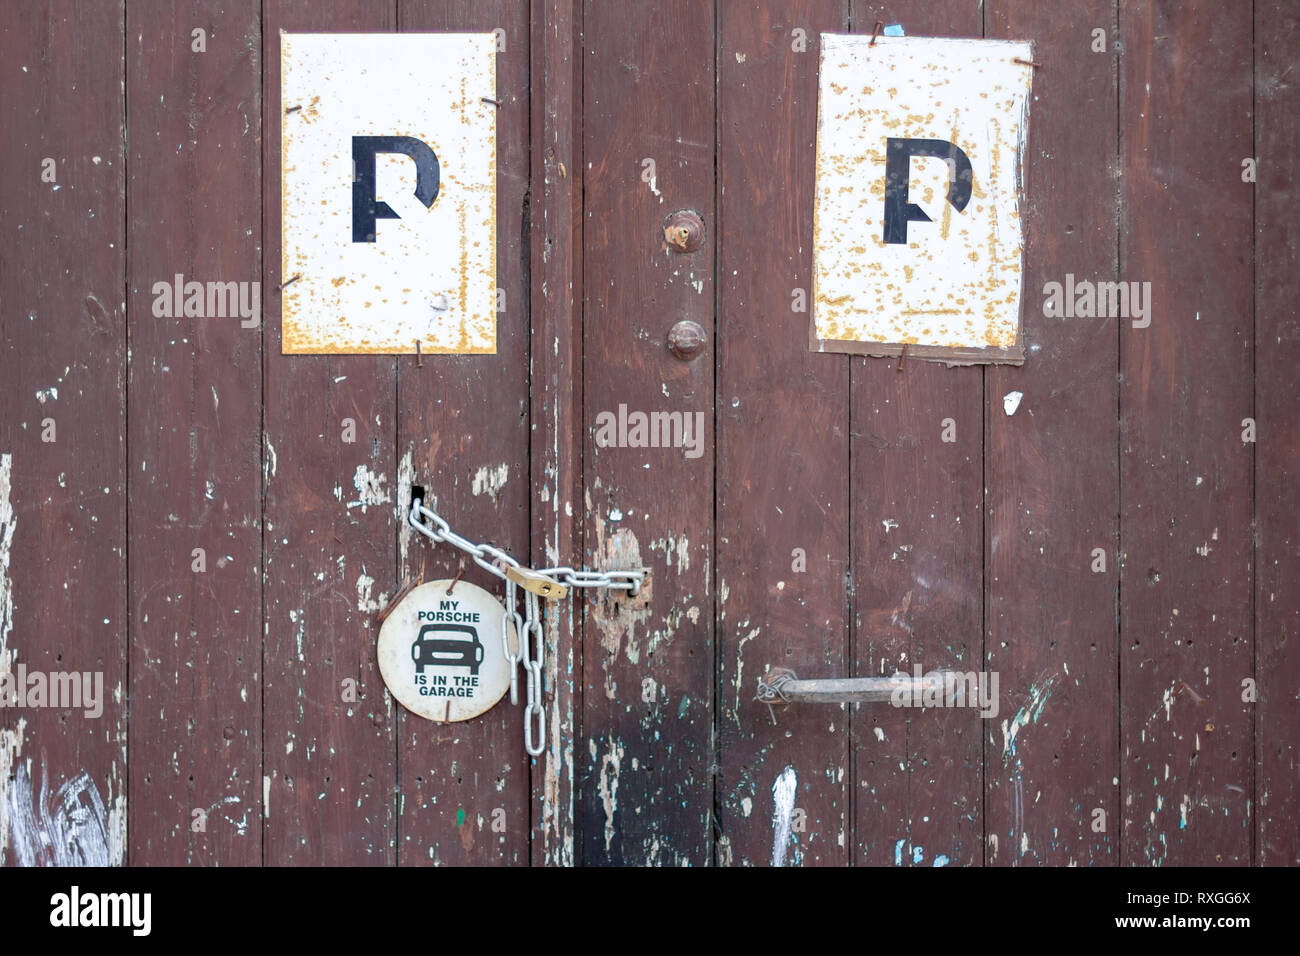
917, 570
783, 447
648, 673
329, 546
1277, 414
1052, 471
556, 356
1186, 587
463, 436
194, 427
63, 603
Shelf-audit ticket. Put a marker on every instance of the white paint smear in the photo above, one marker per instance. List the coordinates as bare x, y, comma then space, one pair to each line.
783, 794
490, 481
1011, 401
70, 827
11, 741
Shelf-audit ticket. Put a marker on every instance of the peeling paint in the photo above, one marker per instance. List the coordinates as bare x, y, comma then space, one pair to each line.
11, 741
367, 604
783, 794
370, 489
405, 479
608, 788
490, 481
1029, 712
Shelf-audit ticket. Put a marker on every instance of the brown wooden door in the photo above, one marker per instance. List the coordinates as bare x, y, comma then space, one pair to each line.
1116, 550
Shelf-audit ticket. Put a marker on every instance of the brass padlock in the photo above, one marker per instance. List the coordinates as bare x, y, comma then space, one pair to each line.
537, 583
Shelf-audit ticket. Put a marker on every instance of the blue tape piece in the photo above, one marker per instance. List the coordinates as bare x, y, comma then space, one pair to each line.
894, 30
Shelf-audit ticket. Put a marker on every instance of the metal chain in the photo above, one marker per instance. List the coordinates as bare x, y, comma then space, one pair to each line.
532, 644
529, 636
512, 616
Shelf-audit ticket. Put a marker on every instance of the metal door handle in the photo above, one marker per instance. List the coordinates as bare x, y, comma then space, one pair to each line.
783, 686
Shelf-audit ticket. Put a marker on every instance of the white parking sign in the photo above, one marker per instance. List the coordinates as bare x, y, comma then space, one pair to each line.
917, 233
388, 193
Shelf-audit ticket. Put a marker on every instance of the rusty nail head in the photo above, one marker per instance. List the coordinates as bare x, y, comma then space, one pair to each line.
686, 339
684, 231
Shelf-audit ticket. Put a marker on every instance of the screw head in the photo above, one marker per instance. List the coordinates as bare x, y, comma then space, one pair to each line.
684, 231
686, 339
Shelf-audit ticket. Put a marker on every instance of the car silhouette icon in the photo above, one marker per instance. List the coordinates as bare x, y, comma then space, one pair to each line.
442, 645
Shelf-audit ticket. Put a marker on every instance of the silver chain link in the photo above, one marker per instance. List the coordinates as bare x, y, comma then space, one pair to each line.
569, 577
529, 636
512, 616
532, 645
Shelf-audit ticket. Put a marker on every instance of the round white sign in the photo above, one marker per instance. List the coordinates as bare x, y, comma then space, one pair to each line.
440, 653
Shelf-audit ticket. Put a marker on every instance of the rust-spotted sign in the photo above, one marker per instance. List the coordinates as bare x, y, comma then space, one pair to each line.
917, 220
388, 193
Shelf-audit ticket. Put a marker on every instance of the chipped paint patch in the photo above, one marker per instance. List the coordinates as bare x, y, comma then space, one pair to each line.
11, 741
8, 522
1028, 713
490, 481
405, 479
616, 623
784, 790
1011, 402
610, 765
370, 489
366, 603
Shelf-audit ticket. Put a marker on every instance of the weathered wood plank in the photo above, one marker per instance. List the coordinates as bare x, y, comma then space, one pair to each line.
1277, 454
917, 569
783, 448
1185, 474
1052, 471
556, 355
63, 598
463, 436
330, 556
194, 432
648, 673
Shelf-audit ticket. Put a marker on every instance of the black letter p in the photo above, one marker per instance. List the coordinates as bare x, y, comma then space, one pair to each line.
365, 207
898, 157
